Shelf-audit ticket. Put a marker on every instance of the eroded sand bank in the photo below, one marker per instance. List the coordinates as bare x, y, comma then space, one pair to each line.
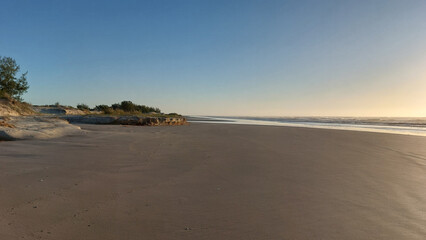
211, 181
35, 127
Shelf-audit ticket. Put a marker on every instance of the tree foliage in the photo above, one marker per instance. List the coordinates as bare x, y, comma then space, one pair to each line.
127, 107
10, 84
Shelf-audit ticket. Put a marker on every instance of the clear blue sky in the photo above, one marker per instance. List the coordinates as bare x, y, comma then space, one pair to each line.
332, 58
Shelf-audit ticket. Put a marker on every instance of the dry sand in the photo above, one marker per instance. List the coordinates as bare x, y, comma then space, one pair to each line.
212, 181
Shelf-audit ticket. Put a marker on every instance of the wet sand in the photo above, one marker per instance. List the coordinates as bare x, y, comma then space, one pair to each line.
214, 181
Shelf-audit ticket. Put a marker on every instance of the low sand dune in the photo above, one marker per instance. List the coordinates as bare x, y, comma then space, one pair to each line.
14, 108
35, 127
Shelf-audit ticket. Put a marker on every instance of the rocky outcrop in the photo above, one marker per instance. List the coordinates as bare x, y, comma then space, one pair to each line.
35, 127
127, 120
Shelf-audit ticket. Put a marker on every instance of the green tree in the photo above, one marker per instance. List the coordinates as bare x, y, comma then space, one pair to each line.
10, 84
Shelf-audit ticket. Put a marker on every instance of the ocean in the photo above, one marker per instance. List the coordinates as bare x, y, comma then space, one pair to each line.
407, 126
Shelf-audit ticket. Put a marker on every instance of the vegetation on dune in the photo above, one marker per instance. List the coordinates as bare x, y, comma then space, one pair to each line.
55, 105
83, 107
9, 104
5, 95
126, 107
104, 108
12, 86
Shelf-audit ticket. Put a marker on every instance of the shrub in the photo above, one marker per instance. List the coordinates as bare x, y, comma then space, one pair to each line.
108, 110
116, 106
104, 108
83, 107
127, 106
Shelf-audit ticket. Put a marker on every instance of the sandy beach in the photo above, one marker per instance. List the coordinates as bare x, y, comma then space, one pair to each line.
214, 181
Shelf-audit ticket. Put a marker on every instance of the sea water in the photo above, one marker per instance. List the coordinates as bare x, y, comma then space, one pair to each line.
407, 126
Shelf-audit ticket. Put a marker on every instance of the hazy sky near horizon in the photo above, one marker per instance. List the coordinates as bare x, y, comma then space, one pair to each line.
263, 58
